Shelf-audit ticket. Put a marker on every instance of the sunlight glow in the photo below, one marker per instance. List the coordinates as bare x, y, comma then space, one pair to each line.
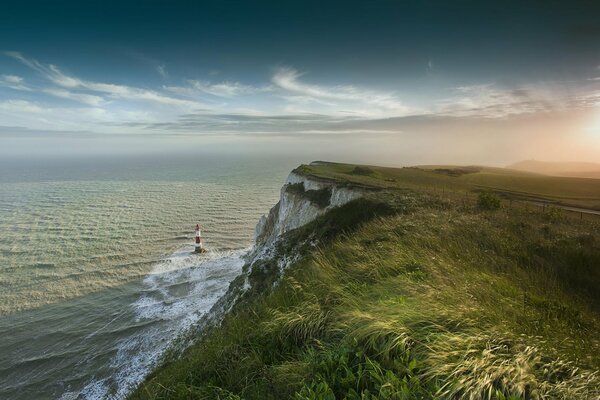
594, 127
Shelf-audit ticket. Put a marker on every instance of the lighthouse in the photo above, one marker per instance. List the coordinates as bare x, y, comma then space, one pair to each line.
199, 242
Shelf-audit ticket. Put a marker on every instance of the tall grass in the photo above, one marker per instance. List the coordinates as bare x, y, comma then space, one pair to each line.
493, 366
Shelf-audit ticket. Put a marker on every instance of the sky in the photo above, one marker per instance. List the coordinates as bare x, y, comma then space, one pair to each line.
389, 82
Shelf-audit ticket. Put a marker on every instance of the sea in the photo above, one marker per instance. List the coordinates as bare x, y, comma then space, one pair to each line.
98, 276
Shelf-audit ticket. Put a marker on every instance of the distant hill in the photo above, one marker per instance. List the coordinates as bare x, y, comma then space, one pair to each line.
572, 169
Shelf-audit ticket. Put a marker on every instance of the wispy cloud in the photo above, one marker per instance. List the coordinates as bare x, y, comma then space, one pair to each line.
84, 98
33, 115
20, 106
430, 66
162, 71
378, 102
56, 76
491, 101
246, 122
225, 89
14, 82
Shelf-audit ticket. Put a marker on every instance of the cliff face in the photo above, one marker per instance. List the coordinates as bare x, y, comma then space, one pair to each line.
303, 198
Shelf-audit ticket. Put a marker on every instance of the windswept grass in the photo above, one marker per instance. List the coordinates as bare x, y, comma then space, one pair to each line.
428, 297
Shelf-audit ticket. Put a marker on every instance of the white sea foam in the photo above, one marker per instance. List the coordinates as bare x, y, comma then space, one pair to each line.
175, 295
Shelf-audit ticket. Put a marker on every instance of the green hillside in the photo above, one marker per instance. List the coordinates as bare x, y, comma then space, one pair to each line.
578, 192
414, 292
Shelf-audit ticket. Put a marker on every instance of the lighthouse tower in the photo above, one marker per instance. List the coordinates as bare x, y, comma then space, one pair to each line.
199, 242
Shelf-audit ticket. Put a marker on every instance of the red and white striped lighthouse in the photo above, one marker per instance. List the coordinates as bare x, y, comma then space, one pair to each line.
199, 242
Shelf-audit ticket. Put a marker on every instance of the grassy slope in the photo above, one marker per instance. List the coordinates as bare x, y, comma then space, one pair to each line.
436, 299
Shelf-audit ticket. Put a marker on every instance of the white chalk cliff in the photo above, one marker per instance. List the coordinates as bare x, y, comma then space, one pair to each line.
294, 210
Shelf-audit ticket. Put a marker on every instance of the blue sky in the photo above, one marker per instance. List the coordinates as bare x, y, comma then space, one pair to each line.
386, 72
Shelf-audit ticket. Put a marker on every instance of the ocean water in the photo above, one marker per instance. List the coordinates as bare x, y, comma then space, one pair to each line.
97, 270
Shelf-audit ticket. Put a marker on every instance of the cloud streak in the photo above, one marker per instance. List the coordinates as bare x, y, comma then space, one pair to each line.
492, 101
88, 99
376, 102
225, 89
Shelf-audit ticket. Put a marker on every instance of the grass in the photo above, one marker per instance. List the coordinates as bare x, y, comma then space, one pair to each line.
578, 192
411, 295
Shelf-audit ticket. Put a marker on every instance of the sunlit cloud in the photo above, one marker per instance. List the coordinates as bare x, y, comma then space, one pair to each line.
491, 101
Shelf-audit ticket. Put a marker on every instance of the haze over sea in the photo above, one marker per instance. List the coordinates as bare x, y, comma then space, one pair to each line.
97, 271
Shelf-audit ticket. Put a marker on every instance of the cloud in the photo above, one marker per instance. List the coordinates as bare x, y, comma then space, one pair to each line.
225, 89
430, 66
14, 82
301, 100
33, 115
244, 123
370, 101
30, 63
78, 97
591, 99
162, 70
56, 76
491, 101
20, 106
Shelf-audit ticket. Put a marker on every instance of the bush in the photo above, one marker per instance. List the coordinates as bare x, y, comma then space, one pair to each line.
554, 214
321, 197
488, 201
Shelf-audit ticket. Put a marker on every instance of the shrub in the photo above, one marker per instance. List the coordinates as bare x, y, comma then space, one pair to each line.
488, 201
321, 197
361, 171
554, 214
